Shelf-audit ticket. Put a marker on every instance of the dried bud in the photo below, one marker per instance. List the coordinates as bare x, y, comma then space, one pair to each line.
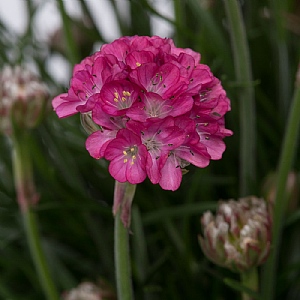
90, 291
239, 236
85, 291
22, 98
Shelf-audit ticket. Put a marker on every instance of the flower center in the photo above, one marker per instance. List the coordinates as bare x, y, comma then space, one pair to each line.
130, 154
156, 107
123, 101
152, 144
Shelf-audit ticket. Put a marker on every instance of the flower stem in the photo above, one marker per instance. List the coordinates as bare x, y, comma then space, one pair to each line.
122, 260
249, 279
30, 224
27, 197
278, 31
287, 155
246, 96
123, 196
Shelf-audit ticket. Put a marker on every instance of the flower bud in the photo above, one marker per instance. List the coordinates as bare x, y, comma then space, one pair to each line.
85, 290
239, 236
88, 124
22, 98
90, 291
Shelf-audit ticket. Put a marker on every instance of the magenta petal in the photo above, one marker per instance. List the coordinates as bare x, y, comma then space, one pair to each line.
128, 157
125, 171
154, 165
180, 105
136, 173
97, 142
107, 121
152, 168
164, 81
64, 108
142, 75
171, 174
118, 48
88, 61
137, 58
214, 145
188, 51
117, 96
58, 100
151, 105
197, 155
117, 169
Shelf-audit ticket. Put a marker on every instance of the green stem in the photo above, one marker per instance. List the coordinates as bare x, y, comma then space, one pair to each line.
285, 163
70, 42
27, 197
35, 246
246, 96
279, 39
123, 196
122, 260
249, 279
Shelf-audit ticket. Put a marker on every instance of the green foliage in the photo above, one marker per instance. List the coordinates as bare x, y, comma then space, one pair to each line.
76, 191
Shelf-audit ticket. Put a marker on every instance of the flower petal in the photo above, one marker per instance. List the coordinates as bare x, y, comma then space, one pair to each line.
171, 174
97, 142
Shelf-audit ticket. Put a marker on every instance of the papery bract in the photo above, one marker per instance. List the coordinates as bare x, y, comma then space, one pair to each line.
23, 98
239, 236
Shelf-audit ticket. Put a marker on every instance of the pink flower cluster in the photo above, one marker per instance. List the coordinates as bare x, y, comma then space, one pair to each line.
158, 109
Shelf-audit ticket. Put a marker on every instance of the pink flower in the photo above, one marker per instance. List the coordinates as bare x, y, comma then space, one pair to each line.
158, 109
127, 156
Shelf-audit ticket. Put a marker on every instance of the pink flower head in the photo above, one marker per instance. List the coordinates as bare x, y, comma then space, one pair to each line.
159, 109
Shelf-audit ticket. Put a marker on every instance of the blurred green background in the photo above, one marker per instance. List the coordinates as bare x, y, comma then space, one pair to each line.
76, 191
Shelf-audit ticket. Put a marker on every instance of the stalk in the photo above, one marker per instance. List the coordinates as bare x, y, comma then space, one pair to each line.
243, 74
27, 198
123, 196
288, 151
249, 279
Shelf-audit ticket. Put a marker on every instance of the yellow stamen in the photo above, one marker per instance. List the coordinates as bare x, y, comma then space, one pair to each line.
126, 93
116, 94
125, 160
138, 64
123, 99
124, 152
116, 100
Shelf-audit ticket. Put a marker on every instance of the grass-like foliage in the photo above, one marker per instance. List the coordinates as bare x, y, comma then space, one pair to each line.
256, 57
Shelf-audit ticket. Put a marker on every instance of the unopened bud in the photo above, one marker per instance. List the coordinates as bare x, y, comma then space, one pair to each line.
239, 236
22, 98
90, 291
88, 124
85, 291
